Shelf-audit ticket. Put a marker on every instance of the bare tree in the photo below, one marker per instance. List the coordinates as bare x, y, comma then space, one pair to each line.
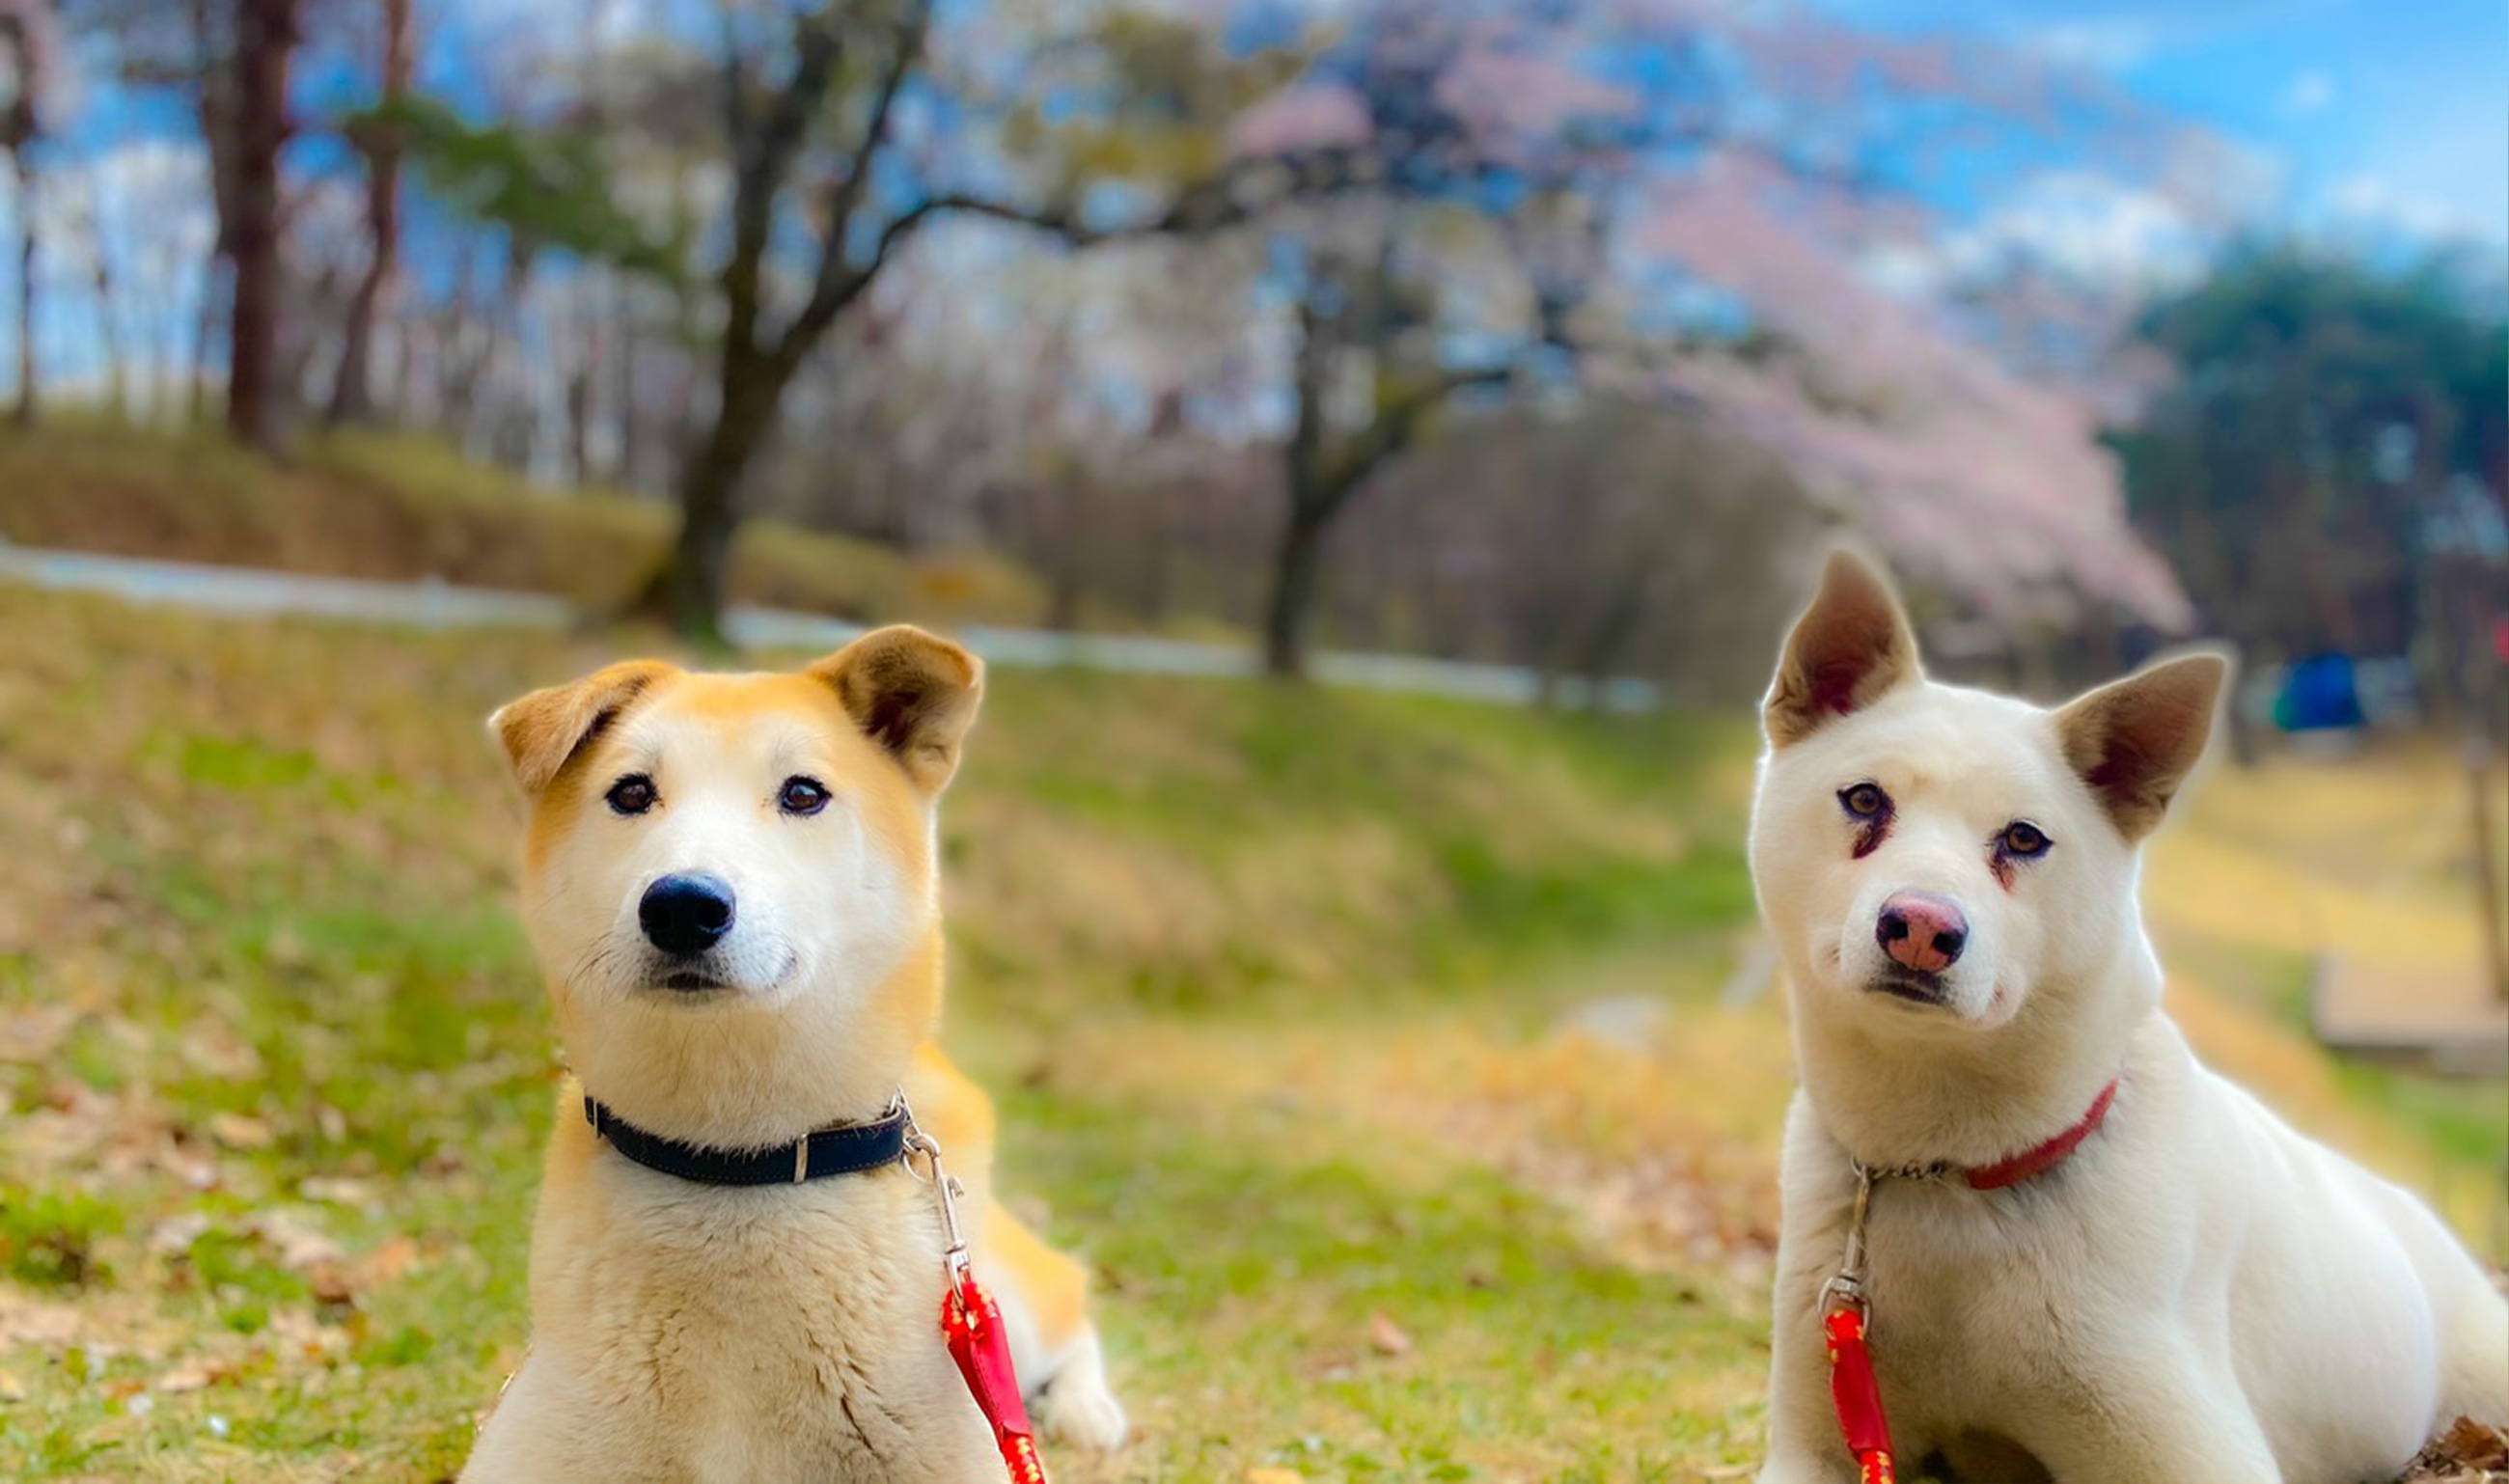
771, 127
24, 58
351, 394
108, 327
266, 36
1323, 472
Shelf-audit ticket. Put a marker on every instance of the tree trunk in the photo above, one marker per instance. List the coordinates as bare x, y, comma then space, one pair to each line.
117, 373
1070, 539
582, 328
25, 410
352, 389
204, 331
1297, 567
689, 589
266, 36
625, 466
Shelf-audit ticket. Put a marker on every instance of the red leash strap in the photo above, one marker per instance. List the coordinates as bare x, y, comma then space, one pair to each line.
972, 1322
1858, 1398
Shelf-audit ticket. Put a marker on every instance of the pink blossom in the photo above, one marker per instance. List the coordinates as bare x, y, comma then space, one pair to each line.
1972, 478
1304, 116
36, 61
1506, 94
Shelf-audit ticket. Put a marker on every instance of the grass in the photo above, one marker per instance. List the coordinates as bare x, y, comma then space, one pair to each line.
1414, 1001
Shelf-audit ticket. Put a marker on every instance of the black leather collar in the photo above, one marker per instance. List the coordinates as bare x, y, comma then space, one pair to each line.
846, 1149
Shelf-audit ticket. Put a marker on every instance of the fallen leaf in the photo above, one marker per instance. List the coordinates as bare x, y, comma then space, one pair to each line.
32, 1321
335, 1190
1387, 1336
331, 1283
2471, 1443
194, 1374
384, 1264
176, 1234
1262, 1476
239, 1131
32, 1035
300, 1245
2468, 1452
11, 1388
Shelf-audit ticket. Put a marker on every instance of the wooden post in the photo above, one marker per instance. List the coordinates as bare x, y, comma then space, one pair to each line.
2493, 893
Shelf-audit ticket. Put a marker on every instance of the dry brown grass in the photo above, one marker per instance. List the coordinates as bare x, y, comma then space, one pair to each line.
396, 508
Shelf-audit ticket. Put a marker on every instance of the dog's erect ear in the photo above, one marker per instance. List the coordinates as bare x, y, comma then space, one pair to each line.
1849, 650
911, 693
546, 729
2135, 741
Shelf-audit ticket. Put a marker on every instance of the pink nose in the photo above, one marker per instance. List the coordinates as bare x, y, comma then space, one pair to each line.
1922, 932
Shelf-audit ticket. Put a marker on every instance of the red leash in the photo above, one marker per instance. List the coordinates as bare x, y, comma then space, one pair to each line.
971, 1324
1859, 1396
1847, 1313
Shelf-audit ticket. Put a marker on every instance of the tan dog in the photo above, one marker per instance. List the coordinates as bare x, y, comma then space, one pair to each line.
730, 886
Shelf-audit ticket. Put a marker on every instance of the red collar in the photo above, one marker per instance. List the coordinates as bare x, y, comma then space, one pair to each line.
2043, 1157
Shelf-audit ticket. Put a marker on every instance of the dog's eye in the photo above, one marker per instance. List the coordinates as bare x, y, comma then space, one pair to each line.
1865, 800
631, 794
802, 796
2022, 838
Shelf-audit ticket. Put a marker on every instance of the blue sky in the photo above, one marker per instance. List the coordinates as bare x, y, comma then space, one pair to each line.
2369, 114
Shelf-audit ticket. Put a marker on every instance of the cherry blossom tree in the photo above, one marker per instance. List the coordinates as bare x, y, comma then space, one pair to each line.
1730, 175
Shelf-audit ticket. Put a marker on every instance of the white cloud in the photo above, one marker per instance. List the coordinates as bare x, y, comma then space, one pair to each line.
2103, 232
2310, 92
2102, 44
2374, 198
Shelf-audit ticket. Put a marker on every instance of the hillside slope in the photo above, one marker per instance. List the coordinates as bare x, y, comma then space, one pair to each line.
1372, 1048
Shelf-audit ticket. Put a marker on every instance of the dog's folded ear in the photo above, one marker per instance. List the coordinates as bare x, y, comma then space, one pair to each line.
2134, 741
1849, 650
543, 730
913, 694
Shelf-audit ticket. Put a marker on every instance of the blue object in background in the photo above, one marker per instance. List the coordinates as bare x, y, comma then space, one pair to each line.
2319, 693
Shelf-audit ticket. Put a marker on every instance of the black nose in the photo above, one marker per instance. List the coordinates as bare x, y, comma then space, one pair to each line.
685, 912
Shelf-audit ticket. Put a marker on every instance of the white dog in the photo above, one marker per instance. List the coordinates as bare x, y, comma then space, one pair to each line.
2086, 1257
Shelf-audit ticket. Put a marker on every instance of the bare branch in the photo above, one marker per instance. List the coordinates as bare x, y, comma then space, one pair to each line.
764, 157
1394, 428
834, 284
906, 48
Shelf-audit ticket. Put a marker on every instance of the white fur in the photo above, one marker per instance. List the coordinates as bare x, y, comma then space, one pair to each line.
2199, 1295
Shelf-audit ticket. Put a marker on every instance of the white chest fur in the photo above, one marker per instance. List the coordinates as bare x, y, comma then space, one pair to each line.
782, 1333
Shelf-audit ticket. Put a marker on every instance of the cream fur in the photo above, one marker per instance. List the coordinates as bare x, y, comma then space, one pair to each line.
785, 1335
2199, 1295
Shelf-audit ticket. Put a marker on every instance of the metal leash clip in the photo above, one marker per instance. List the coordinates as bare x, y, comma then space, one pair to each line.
1844, 1288
955, 1264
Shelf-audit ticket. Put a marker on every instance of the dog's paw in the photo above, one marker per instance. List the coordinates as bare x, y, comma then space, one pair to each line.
1079, 1407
